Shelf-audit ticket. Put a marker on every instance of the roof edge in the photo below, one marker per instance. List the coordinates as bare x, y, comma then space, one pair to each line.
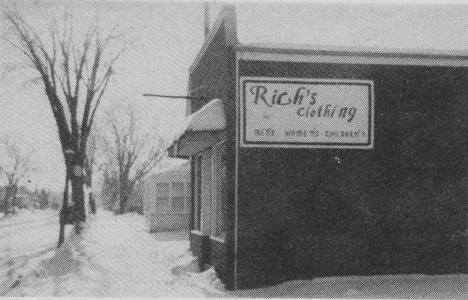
227, 20
329, 50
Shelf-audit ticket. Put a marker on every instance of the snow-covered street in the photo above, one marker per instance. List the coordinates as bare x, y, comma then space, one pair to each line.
117, 256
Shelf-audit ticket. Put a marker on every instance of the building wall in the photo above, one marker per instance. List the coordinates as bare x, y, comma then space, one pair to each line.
206, 196
168, 222
397, 208
302, 213
212, 77
201, 248
219, 259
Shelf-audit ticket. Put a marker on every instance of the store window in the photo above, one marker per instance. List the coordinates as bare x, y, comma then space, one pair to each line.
219, 191
188, 194
197, 194
162, 198
178, 197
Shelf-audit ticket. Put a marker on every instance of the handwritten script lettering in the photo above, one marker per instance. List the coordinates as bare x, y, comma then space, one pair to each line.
305, 98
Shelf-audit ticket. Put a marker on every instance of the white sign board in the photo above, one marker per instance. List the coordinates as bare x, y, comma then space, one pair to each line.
306, 113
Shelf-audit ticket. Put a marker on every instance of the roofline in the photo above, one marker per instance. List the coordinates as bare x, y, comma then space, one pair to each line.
176, 167
226, 19
324, 50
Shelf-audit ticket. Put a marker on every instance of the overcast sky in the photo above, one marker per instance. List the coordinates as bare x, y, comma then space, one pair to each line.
168, 36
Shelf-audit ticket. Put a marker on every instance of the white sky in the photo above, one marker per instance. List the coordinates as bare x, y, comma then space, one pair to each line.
170, 35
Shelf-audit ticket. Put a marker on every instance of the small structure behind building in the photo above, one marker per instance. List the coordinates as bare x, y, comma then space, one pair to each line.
166, 198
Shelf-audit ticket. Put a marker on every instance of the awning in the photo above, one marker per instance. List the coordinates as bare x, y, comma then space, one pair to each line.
200, 130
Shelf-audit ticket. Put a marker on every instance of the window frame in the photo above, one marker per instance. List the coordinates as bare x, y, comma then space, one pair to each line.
216, 205
168, 196
197, 186
182, 195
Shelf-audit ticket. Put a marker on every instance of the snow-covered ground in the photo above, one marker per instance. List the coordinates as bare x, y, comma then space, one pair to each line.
117, 256
26, 239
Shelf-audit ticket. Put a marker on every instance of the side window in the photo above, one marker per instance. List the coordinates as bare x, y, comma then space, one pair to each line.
197, 194
178, 197
162, 197
219, 190
188, 194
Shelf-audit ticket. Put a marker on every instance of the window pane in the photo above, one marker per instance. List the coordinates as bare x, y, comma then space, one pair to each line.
178, 204
219, 208
177, 189
162, 204
197, 200
188, 191
163, 189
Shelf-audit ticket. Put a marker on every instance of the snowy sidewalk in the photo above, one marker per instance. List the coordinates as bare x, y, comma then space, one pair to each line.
116, 256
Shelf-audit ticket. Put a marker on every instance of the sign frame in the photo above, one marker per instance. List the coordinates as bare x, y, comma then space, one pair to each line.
242, 124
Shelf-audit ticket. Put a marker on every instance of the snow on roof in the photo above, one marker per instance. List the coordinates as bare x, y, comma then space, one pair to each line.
179, 168
210, 117
358, 25
350, 50
402, 26
179, 165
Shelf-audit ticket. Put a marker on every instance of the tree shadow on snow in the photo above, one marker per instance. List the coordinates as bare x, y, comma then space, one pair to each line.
15, 265
62, 262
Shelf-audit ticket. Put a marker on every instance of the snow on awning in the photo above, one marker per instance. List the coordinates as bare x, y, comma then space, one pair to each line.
200, 130
210, 117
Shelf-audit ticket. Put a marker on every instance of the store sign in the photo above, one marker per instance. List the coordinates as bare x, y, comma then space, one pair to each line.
306, 113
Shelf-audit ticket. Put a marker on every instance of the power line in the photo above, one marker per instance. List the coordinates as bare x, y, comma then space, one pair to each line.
174, 97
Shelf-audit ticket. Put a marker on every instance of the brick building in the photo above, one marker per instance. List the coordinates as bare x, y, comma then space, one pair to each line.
325, 161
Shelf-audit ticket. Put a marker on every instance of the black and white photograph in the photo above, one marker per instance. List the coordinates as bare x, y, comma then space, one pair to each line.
254, 149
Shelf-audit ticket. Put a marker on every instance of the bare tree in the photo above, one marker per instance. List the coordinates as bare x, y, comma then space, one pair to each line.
132, 154
43, 198
109, 188
15, 165
75, 72
93, 164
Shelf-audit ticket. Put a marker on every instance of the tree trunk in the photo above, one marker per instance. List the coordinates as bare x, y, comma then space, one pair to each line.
78, 202
13, 201
92, 203
7, 197
123, 194
63, 212
89, 183
123, 200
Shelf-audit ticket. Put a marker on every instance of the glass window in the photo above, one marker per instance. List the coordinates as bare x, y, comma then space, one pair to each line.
178, 189
197, 200
219, 197
178, 204
188, 191
178, 197
163, 189
162, 198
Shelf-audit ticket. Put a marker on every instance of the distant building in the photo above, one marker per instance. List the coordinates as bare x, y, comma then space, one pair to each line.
23, 199
55, 200
166, 197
